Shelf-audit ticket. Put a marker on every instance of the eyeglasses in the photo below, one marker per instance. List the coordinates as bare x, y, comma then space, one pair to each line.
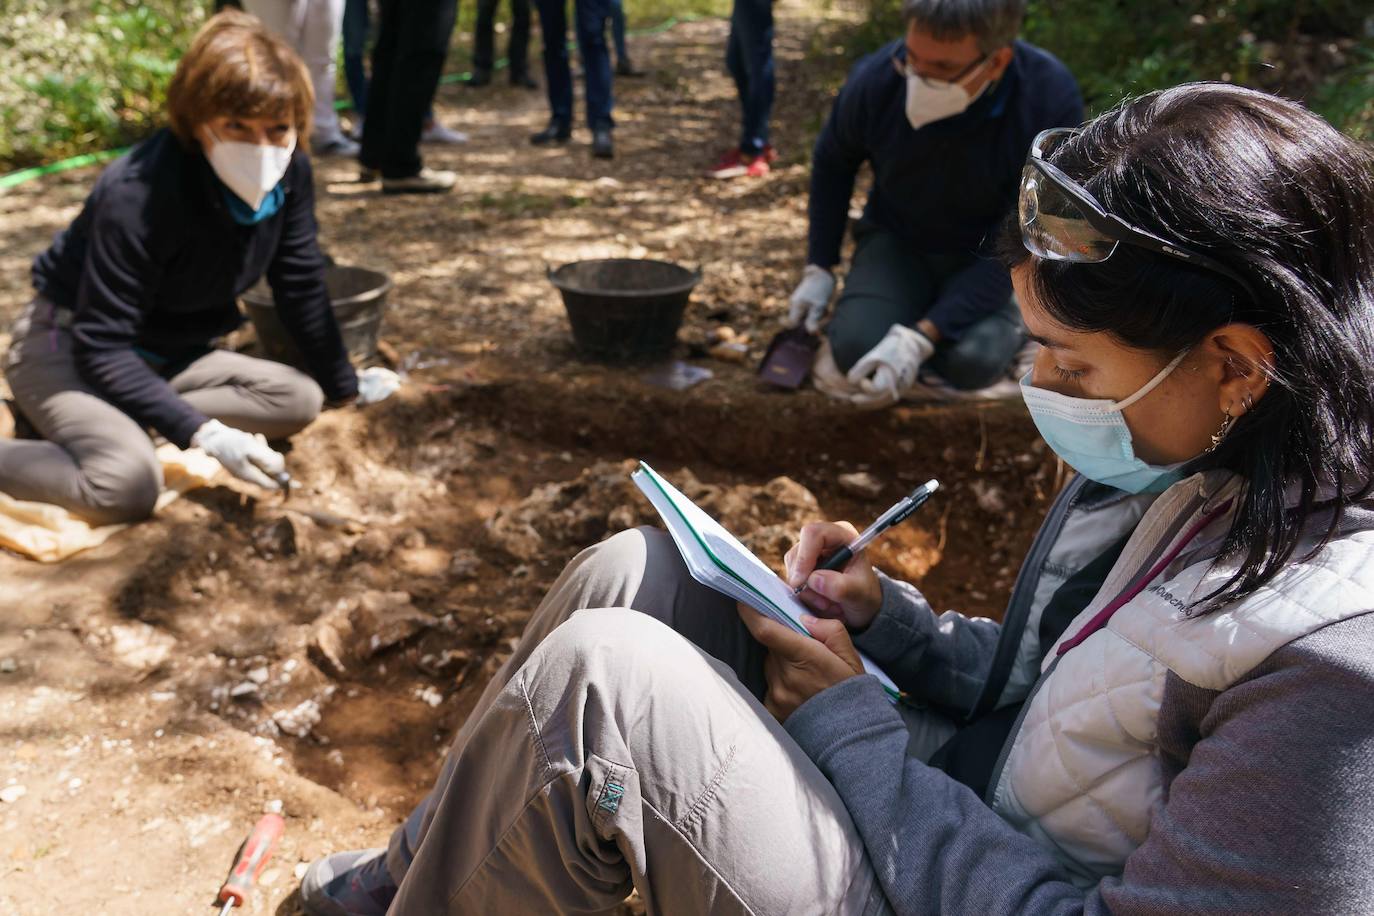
1061, 221
903, 68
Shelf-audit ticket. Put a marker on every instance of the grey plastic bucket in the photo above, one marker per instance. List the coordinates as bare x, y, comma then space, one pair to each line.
624, 309
358, 296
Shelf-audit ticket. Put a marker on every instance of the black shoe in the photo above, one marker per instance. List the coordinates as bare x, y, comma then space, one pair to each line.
602, 147
624, 67
556, 132
477, 79
523, 81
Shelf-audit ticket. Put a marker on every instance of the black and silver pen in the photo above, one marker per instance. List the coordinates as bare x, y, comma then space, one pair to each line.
899, 513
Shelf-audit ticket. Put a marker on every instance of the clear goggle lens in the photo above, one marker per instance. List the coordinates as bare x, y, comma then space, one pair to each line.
1053, 225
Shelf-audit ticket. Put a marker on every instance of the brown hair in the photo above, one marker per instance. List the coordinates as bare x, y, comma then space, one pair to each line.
235, 66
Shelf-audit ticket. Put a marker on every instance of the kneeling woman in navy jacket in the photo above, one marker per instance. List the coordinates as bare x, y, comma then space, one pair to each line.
118, 339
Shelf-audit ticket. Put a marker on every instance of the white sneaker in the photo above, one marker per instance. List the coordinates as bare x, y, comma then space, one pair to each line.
438, 133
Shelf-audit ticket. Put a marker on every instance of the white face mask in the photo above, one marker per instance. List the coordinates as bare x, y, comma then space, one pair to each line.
929, 100
250, 170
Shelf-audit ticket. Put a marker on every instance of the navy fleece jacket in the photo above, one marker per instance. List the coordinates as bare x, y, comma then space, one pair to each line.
943, 189
155, 262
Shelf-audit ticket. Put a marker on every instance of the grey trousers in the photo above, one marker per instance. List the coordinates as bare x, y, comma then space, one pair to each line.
626, 746
96, 461
888, 285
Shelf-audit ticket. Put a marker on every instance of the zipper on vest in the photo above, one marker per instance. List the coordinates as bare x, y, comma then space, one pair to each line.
1002, 755
1022, 593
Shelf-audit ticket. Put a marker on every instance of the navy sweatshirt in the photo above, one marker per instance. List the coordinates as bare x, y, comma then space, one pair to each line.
944, 188
155, 262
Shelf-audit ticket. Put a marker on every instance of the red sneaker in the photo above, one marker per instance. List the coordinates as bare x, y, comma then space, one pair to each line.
735, 164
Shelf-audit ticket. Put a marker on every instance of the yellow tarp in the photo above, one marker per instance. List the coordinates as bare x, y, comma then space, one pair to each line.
48, 533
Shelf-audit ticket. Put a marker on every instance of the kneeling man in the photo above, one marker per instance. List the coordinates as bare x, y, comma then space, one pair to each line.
944, 117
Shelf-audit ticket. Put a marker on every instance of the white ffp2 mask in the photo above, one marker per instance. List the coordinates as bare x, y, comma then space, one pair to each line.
250, 170
930, 100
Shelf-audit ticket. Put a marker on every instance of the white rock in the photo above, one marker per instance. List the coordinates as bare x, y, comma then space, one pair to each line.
140, 646
272, 807
429, 695
300, 719
11, 794
8, 665
243, 689
258, 675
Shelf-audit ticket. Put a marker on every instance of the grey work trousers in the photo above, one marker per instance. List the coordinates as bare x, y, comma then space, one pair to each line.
887, 284
96, 461
626, 746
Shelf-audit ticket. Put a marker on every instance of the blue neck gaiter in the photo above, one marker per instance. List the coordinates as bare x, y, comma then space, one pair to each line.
245, 215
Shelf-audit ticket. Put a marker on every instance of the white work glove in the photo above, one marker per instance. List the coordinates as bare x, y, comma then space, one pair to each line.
889, 370
244, 455
811, 298
376, 384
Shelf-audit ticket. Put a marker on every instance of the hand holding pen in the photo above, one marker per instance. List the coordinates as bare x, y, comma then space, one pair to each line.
828, 571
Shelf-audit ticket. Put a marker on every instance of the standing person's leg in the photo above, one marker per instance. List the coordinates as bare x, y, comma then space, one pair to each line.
321, 27
483, 43
887, 284
616, 9
423, 31
518, 48
379, 92
553, 23
355, 27
752, 21
94, 460
596, 67
254, 395
284, 17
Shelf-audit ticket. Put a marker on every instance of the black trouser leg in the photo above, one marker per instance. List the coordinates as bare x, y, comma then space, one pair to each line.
418, 33
519, 49
483, 37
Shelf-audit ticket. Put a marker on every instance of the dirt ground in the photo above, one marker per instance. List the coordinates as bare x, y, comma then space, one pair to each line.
238, 654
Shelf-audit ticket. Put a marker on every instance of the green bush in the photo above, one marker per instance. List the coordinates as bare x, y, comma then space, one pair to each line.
1315, 50
83, 76
80, 76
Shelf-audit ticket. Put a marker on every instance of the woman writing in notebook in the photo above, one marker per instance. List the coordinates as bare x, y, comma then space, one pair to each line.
1172, 716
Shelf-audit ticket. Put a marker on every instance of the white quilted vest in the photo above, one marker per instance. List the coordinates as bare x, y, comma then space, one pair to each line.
1082, 775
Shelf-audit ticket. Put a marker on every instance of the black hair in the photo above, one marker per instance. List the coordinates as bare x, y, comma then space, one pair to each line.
994, 23
1281, 197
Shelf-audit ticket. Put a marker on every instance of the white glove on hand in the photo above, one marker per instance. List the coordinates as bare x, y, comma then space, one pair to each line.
811, 298
244, 455
889, 370
376, 384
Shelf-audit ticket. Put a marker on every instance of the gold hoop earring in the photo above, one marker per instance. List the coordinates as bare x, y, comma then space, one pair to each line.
1220, 434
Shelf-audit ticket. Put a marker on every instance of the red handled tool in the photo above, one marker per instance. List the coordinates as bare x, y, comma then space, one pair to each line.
251, 860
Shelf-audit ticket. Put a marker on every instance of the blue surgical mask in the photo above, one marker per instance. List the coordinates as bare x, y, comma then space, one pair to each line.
1092, 437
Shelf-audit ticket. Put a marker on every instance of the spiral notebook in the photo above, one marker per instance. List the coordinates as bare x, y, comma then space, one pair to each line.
717, 559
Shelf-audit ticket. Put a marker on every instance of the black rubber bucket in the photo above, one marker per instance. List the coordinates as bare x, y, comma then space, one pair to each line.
624, 309
359, 299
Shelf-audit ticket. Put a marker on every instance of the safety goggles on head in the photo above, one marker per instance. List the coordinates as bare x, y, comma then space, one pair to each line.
905, 69
1061, 221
